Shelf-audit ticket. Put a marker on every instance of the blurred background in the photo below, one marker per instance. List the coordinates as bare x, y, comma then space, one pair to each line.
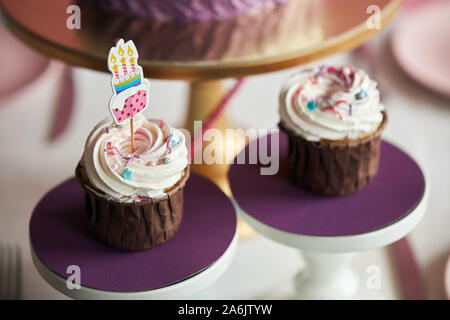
47, 109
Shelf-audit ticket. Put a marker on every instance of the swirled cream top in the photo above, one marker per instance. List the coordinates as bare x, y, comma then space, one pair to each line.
331, 103
157, 164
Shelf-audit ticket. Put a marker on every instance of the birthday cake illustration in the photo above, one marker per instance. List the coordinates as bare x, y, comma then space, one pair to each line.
133, 169
130, 87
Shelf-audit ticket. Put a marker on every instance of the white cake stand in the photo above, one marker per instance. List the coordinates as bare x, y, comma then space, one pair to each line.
274, 205
329, 274
180, 290
196, 256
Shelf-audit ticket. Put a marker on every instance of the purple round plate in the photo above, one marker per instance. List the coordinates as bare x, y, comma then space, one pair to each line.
275, 201
60, 236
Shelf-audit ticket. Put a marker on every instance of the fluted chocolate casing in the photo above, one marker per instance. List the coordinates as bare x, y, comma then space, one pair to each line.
133, 226
334, 167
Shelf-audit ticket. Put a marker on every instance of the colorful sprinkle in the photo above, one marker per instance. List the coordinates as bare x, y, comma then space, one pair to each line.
311, 105
341, 101
165, 160
334, 110
169, 146
335, 82
347, 76
313, 80
361, 95
107, 129
138, 198
296, 94
109, 149
127, 174
322, 70
174, 139
161, 123
110, 152
331, 69
350, 107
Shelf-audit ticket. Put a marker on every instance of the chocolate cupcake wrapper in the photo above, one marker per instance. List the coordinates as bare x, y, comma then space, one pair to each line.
334, 167
133, 226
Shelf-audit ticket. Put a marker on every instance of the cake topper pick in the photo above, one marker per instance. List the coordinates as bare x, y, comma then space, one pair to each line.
130, 88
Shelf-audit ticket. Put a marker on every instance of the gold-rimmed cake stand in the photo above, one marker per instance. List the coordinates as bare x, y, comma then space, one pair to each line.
201, 52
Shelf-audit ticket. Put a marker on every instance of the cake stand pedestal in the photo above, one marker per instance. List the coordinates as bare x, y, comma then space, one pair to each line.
198, 254
330, 230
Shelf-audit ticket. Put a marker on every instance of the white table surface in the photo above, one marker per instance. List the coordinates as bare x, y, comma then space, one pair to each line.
419, 122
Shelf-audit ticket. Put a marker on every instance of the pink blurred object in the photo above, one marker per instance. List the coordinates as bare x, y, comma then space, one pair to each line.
421, 45
447, 278
24, 67
64, 104
407, 270
212, 118
20, 64
417, 4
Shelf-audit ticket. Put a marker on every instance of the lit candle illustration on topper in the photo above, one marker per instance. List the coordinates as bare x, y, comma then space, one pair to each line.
130, 88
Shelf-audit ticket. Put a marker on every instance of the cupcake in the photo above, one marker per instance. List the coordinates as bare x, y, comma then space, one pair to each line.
333, 119
133, 169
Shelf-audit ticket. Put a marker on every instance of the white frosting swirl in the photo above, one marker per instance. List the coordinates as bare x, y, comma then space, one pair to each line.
331, 103
157, 164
